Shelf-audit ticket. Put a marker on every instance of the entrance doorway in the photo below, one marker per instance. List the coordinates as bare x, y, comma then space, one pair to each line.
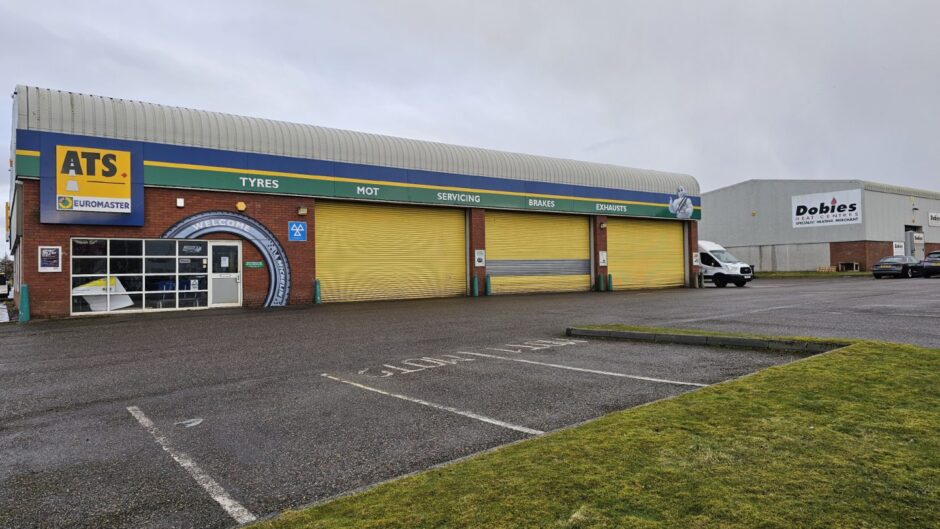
225, 273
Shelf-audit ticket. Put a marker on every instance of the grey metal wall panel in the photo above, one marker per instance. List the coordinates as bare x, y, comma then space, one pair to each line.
55, 111
538, 267
783, 257
757, 212
886, 214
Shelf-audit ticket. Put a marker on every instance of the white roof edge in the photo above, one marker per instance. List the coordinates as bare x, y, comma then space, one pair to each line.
50, 110
864, 184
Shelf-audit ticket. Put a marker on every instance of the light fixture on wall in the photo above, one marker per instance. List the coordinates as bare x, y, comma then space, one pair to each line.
241, 206
180, 202
302, 211
603, 226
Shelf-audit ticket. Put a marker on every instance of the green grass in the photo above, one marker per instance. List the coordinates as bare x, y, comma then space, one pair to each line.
808, 274
846, 439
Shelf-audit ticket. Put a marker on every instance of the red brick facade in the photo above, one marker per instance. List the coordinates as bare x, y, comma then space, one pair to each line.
477, 237
49, 292
693, 247
599, 227
865, 253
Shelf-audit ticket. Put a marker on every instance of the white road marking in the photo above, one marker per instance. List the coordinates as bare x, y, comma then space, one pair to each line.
741, 313
232, 507
189, 423
472, 415
595, 371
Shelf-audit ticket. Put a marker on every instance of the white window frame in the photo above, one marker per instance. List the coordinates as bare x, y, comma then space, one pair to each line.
176, 274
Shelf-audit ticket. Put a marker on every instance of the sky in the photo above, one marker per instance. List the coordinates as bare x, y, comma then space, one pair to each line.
724, 90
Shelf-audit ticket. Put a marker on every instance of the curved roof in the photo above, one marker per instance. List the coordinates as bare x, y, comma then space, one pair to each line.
67, 112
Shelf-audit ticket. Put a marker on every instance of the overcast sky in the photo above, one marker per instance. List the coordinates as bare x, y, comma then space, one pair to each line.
723, 90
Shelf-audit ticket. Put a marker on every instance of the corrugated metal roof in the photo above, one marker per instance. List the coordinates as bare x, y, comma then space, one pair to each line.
67, 112
864, 184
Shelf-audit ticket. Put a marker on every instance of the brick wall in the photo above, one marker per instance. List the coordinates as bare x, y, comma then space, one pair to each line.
600, 245
865, 253
931, 247
49, 292
477, 242
693, 247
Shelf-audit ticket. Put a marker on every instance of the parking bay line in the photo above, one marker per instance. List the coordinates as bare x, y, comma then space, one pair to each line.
595, 371
469, 414
234, 509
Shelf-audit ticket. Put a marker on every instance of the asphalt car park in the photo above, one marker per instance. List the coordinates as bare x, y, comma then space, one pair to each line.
179, 420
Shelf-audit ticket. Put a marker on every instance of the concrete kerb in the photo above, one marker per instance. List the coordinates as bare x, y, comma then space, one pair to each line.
715, 341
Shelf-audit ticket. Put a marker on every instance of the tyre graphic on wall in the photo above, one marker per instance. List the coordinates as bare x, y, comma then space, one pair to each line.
251, 230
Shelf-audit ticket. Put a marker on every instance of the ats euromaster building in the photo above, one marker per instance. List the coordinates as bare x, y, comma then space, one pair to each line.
790, 225
120, 205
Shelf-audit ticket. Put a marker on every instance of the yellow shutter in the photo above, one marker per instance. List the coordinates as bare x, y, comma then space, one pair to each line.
645, 253
537, 252
371, 251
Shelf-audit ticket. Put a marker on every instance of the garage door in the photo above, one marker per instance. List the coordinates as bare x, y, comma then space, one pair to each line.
532, 252
367, 251
645, 253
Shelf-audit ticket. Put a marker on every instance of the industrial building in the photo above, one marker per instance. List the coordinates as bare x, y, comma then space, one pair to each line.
792, 225
121, 205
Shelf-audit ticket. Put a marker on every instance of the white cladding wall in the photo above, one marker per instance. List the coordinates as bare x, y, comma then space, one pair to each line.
783, 257
758, 212
886, 214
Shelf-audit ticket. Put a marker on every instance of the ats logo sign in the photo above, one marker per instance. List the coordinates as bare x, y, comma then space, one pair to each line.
827, 209
97, 180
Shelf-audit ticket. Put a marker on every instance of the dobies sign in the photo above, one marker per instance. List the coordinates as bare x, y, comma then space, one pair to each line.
97, 180
827, 209
933, 219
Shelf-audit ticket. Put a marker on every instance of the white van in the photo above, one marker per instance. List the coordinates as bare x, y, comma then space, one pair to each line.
720, 267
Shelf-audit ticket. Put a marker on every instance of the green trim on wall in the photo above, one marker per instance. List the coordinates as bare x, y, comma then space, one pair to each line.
235, 181
27, 165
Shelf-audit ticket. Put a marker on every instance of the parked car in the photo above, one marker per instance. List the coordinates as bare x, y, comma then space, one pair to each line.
897, 266
720, 267
3, 286
931, 264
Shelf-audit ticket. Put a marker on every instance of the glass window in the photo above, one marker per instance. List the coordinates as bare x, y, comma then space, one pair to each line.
126, 247
160, 301
160, 283
194, 265
127, 284
123, 265
127, 301
161, 265
224, 259
81, 247
193, 299
193, 248
196, 282
90, 266
161, 247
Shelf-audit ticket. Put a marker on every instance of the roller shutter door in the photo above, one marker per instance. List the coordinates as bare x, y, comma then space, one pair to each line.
533, 252
645, 253
367, 251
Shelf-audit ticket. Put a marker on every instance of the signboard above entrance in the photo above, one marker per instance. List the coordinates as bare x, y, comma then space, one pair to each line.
84, 180
209, 169
834, 208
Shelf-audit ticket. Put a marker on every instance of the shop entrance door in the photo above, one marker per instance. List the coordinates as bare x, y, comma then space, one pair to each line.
225, 274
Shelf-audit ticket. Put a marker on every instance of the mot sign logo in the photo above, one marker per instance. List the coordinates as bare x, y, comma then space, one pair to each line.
827, 209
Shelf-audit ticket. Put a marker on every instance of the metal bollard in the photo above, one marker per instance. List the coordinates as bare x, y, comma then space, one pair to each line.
317, 299
610, 282
475, 287
599, 286
24, 304
488, 287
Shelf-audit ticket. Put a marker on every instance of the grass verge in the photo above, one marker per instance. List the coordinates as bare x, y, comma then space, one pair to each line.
849, 438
